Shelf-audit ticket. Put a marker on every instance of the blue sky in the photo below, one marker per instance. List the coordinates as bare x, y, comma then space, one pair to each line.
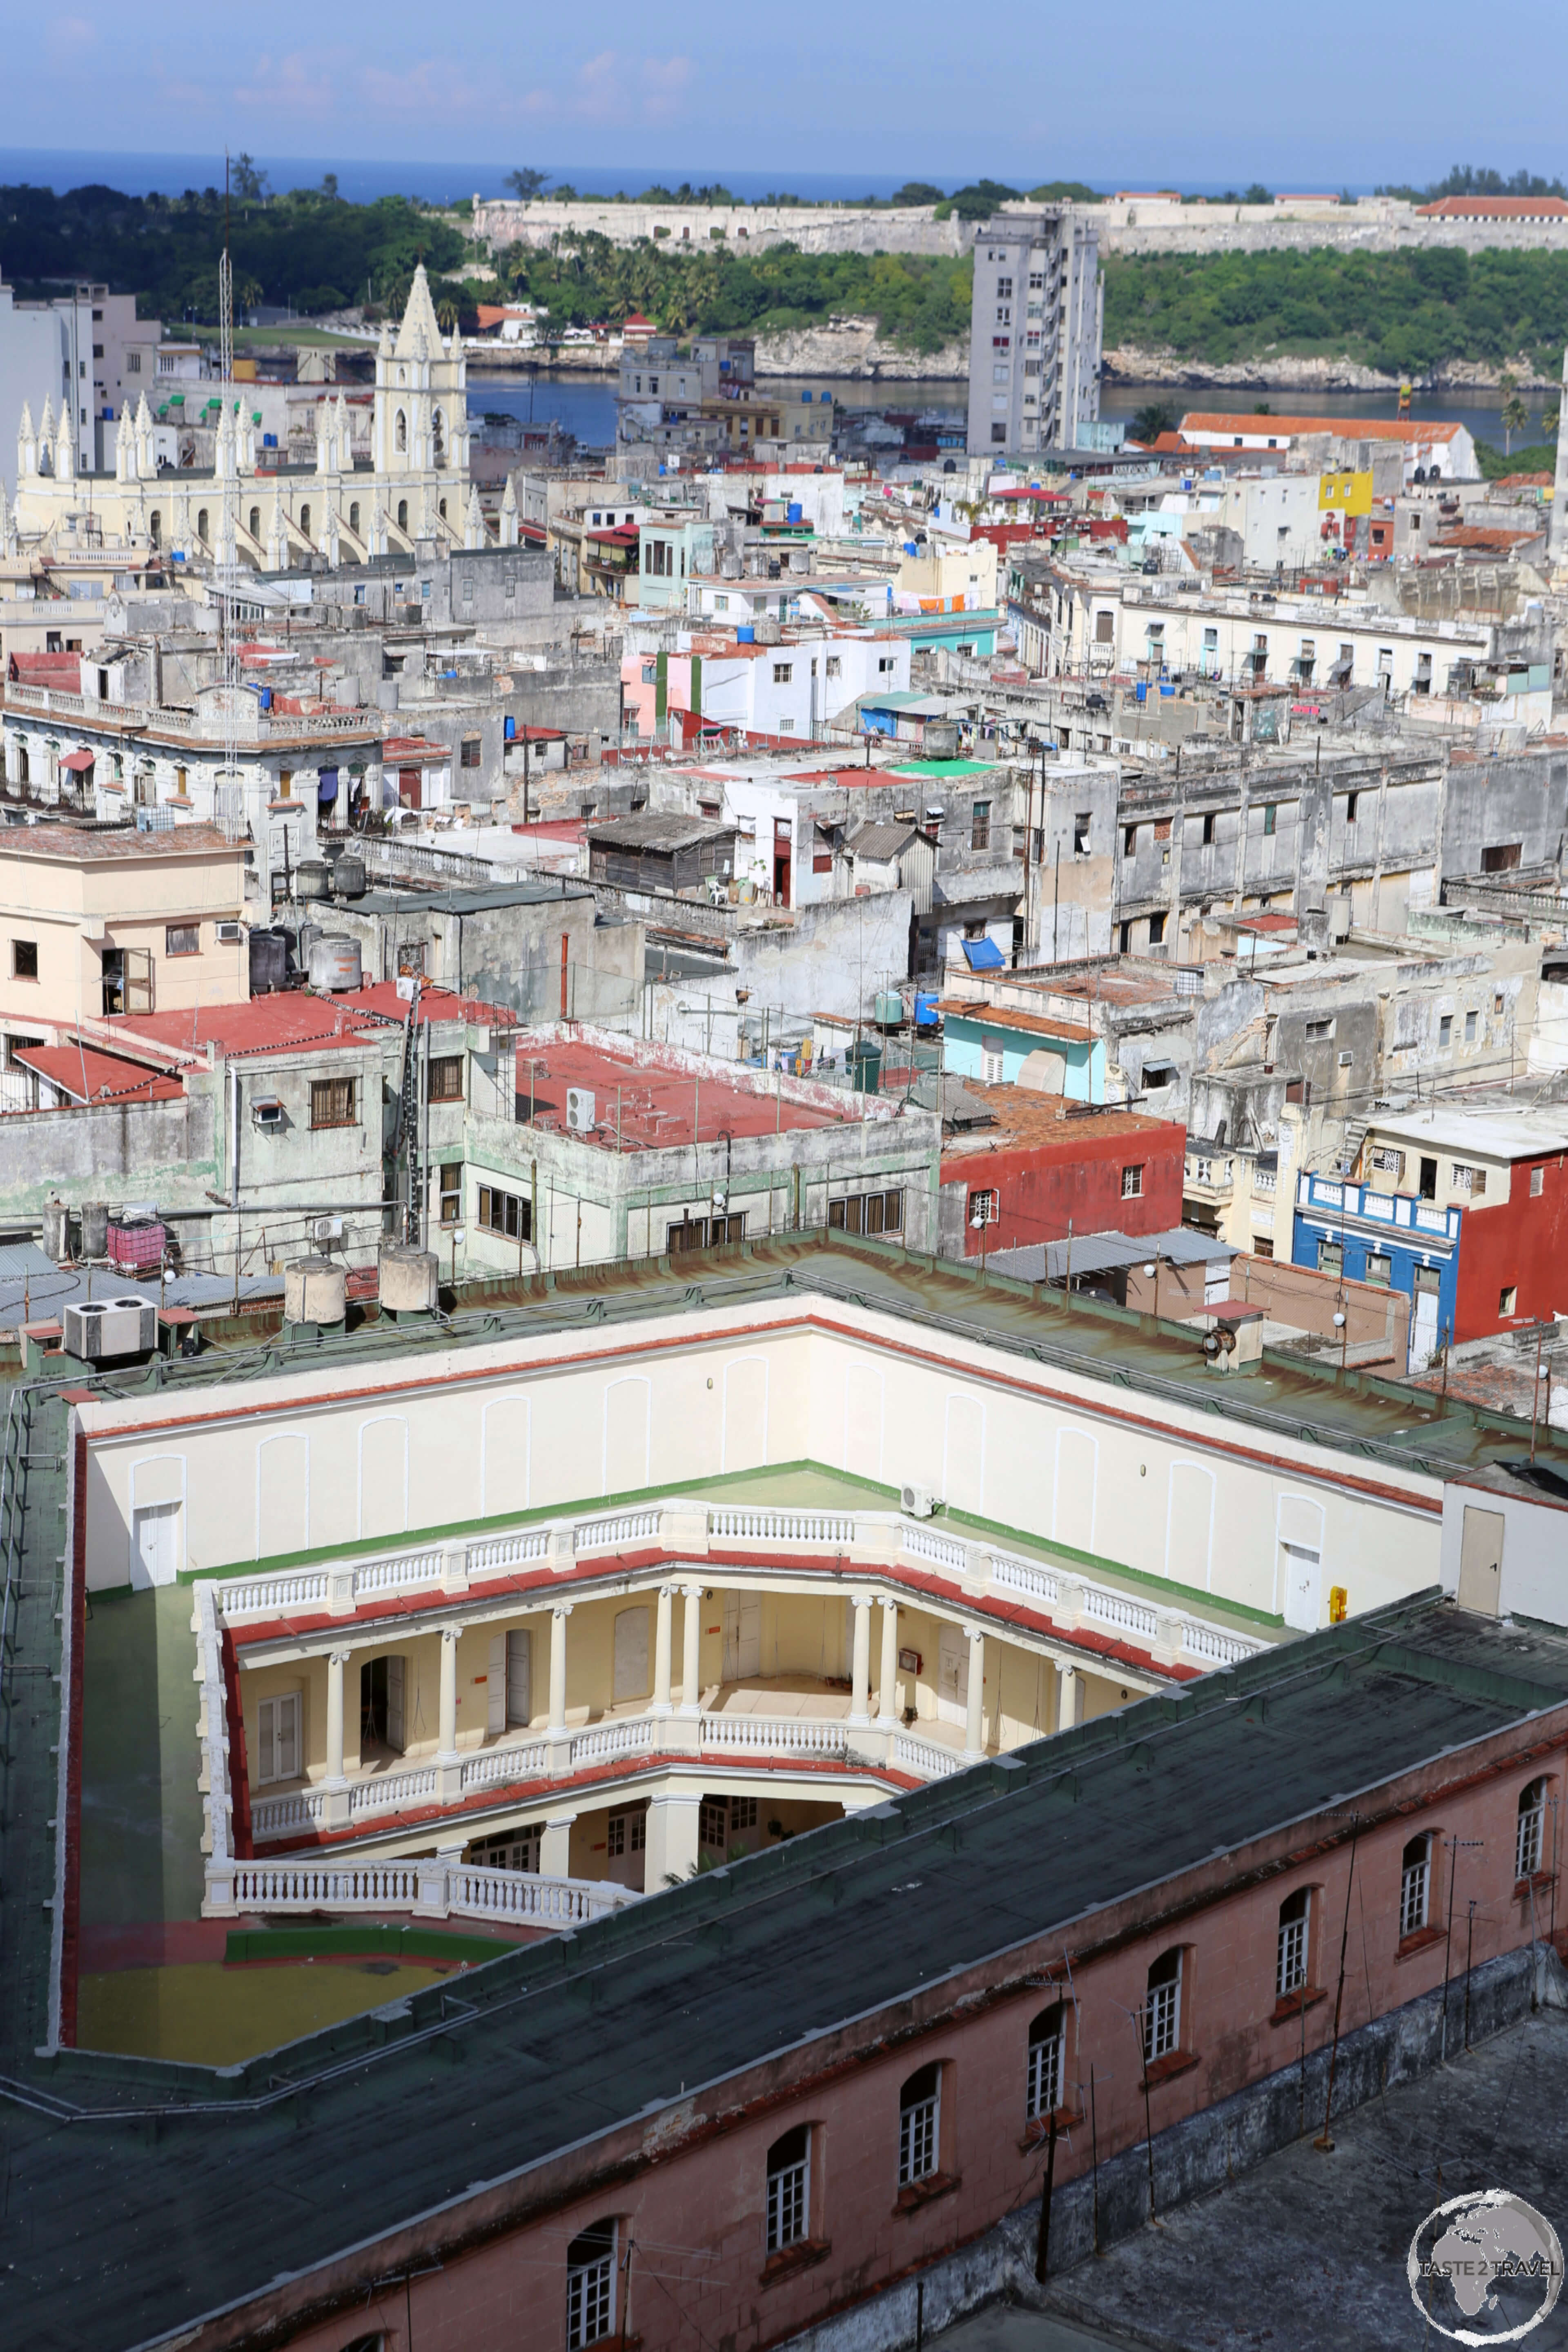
1344, 96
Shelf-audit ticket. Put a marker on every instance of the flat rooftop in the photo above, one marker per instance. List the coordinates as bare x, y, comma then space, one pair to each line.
640, 1105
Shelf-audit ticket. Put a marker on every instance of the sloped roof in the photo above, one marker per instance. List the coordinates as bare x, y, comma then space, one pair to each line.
419, 318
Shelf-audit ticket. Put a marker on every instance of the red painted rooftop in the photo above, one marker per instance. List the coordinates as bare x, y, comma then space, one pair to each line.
659, 1107
274, 1024
88, 1075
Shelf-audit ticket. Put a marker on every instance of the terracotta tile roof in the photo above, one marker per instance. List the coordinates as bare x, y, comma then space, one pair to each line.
1353, 428
996, 1017
1494, 208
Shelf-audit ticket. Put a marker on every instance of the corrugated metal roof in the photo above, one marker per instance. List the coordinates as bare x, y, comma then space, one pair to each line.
1102, 1253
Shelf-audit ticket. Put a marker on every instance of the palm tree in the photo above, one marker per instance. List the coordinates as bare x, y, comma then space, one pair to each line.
1512, 416
1551, 418
1149, 422
446, 315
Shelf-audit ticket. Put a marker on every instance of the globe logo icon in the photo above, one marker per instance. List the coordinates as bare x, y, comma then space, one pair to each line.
1485, 2268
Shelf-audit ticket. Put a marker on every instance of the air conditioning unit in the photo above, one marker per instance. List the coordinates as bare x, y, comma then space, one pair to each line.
918, 1501
580, 1110
327, 1233
99, 1330
230, 934
267, 1112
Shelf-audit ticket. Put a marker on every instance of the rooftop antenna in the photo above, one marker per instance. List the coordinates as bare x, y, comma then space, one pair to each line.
228, 492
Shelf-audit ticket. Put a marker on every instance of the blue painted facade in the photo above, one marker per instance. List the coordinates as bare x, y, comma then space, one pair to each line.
971, 1035
1409, 1233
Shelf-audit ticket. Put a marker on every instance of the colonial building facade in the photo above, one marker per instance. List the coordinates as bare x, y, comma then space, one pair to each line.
415, 487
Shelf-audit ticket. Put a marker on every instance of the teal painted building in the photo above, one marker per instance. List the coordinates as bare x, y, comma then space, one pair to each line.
983, 1041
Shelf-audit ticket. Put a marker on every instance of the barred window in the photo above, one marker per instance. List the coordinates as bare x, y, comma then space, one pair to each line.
473, 752
1531, 1841
789, 2190
1162, 2012
920, 2126
446, 1077
332, 1102
1295, 1920
1415, 1886
1044, 2079
590, 2286
182, 938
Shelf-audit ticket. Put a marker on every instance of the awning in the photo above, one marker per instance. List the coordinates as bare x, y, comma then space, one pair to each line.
981, 955
76, 759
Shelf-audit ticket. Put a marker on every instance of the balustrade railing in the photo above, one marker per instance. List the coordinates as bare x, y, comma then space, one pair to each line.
738, 1523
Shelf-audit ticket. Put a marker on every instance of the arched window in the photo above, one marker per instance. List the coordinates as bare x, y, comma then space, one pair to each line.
1295, 1930
353, 515
400, 431
401, 514
155, 528
24, 764
920, 2126
201, 523
438, 436
1530, 1842
253, 524
1415, 1886
590, 2286
305, 523
789, 2190
1046, 2044
1162, 2009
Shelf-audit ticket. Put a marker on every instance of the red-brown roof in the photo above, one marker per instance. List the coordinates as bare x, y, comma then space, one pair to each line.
1035, 1025
87, 1076
1347, 428
62, 671
1494, 208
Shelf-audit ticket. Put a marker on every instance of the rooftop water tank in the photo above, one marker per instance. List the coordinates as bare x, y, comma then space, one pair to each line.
407, 1282
269, 960
314, 1291
334, 963
94, 1229
349, 875
312, 878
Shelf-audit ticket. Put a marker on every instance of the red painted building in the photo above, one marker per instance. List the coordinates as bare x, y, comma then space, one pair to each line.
1505, 1169
1043, 1163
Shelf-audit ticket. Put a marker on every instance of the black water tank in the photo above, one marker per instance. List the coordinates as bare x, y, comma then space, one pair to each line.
269, 960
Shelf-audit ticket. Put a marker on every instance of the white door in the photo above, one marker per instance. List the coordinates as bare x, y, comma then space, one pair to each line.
953, 1676
631, 1653
520, 1677
395, 1714
1424, 1322
743, 1638
157, 1528
1302, 1567
279, 1739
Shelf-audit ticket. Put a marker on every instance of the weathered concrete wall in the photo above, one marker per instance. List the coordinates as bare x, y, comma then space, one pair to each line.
1492, 803
501, 222
166, 1152
1194, 2158
833, 958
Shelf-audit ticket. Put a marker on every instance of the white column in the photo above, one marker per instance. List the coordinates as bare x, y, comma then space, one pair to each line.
973, 1733
860, 1670
336, 1815
691, 1636
449, 1764
662, 1646
336, 1661
672, 1839
888, 1685
448, 1744
558, 1616
555, 1847
1070, 1698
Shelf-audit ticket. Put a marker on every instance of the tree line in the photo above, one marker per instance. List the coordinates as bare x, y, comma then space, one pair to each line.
1404, 313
